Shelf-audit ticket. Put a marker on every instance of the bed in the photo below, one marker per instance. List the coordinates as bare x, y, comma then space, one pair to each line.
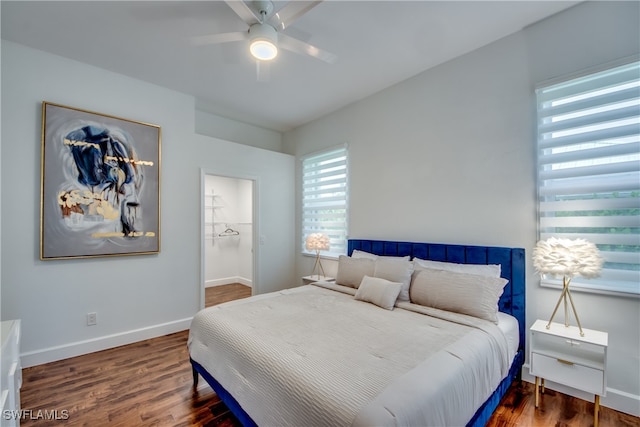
322, 359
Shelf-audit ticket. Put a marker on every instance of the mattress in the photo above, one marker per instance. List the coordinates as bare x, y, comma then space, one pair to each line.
315, 356
511, 329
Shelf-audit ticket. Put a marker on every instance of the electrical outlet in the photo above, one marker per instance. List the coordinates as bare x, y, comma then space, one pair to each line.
92, 319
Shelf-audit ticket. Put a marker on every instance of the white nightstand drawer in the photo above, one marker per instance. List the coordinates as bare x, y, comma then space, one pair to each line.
582, 352
568, 373
567, 344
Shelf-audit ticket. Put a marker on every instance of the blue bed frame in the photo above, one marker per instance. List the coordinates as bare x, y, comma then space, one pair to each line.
512, 302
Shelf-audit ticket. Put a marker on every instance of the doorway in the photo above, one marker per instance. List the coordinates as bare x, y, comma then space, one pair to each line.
228, 238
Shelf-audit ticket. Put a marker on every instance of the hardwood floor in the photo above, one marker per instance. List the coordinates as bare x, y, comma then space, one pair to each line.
517, 408
219, 294
143, 384
149, 384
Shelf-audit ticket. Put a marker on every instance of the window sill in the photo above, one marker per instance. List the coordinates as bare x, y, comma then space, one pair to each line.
630, 290
329, 257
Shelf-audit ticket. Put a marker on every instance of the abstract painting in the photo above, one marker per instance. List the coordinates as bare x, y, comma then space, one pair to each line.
100, 185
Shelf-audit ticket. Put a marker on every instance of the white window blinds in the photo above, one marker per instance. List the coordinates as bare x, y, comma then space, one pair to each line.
589, 169
325, 197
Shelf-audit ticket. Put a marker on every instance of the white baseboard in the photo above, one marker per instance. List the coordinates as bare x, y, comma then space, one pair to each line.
615, 399
52, 354
228, 281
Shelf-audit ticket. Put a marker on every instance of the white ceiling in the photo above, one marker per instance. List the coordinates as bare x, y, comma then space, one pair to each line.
378, 43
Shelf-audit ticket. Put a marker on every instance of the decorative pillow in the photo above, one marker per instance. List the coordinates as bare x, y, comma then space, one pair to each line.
395, 270
491, 270
362, 254
380, 292
352, 270
470, 294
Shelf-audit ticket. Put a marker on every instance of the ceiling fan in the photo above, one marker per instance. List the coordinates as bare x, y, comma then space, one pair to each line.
265, 32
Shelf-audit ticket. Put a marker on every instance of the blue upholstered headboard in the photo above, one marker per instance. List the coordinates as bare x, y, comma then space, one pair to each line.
512, 261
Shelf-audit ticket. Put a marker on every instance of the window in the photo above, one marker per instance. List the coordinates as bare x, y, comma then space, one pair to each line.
589, 169
324, 198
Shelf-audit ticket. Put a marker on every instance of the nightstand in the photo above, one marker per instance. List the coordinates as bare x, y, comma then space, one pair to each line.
561, 355
316, 278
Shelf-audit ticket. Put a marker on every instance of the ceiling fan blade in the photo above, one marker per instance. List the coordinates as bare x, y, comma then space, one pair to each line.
263, 71
298, 46
290, 12
243, 11
219, 38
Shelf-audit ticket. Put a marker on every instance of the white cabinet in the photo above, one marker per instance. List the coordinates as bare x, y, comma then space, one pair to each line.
11, 376
560, 354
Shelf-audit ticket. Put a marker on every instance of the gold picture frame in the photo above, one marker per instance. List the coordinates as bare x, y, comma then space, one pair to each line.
100, 185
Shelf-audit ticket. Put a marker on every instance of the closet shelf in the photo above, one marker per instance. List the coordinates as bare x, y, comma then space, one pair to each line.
213, 231
231, 222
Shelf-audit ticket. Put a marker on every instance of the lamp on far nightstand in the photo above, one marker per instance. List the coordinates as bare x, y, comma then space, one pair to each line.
317, 242
568, 258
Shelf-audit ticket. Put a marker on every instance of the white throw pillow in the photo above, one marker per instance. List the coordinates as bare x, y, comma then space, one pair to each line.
491, 270
362, 254
380, 292
352, 270
395, 270
470, 294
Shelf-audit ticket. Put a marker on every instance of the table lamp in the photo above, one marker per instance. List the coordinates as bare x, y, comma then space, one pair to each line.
568, 258
317, 242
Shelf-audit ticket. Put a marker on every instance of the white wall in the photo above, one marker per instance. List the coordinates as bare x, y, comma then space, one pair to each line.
228, 259
245, 225
139, 296
1, 183
449, 156
209, 124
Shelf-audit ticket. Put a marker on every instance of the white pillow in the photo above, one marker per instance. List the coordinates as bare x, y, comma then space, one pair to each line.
362, 254
352, 270
491, 270
395, 270
380, 292
470, 294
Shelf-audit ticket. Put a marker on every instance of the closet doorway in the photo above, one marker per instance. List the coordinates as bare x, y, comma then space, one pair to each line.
228, 238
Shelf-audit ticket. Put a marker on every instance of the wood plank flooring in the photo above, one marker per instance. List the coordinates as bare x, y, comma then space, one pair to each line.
143, 384
219, 294
517, 408
149, 384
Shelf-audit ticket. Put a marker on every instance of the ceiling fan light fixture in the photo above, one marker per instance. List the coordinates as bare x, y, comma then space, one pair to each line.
263, 42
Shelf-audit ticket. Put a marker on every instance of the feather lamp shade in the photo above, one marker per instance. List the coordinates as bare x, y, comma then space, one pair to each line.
317, 242
567, 258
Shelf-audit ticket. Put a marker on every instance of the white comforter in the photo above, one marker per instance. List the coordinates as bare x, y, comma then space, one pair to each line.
314, 356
